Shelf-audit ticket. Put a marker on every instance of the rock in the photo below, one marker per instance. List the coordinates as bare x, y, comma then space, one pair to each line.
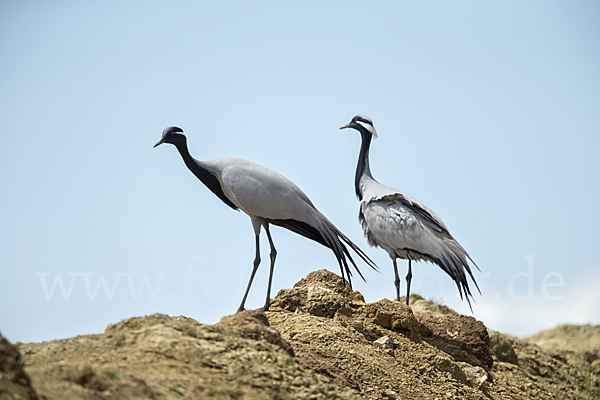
386, 342
464, 338
501, 347
445, 364
328, 281
421, 306
321, 293
14, 381
324, 294
255, 325
477, 377
392, 315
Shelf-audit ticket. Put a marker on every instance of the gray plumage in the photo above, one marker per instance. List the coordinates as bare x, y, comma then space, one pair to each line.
402, 226
268, 198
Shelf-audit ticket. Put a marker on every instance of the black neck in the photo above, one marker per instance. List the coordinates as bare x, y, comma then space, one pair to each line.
207, 177
362, 168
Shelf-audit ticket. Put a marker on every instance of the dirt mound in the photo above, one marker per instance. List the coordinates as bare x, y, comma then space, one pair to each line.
319, 341
579, 345
162, 357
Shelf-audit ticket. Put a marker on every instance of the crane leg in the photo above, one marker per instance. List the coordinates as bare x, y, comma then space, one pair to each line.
273, 255
256, 264
397, 280
408, 279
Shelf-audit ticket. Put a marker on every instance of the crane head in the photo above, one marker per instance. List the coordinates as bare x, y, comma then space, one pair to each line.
361, 123
172, 135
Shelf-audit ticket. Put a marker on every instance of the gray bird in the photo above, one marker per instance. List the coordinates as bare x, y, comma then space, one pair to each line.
268, 198
402, 226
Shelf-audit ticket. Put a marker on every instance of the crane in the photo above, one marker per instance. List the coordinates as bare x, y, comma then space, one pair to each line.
402, 226
268, 198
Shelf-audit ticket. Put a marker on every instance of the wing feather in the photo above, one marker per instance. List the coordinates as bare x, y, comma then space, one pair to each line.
406, 229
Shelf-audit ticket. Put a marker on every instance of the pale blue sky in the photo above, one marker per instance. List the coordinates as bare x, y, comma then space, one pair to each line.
488, 112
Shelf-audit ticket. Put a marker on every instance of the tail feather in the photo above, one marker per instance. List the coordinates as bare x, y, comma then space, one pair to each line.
337, 247
454, 262
339, 235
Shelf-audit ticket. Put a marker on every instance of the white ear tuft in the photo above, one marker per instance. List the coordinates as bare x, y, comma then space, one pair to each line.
368, 127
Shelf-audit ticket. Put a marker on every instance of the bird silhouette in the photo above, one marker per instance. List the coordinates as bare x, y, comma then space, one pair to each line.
268, 198
402, 226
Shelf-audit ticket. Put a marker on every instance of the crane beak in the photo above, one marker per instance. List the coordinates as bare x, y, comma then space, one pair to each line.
345, 126
161, 141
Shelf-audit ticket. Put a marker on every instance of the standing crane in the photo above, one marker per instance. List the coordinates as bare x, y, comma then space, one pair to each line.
402, 226
268, 198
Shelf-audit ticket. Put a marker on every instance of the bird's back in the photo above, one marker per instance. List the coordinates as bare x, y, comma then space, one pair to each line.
259, 191
402, 225
374, 191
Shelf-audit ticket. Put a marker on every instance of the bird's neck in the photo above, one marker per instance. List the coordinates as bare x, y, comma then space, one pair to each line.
189, 161
362, 168
207, 177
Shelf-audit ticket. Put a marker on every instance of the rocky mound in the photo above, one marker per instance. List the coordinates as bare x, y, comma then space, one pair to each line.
577, 345
319, 341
